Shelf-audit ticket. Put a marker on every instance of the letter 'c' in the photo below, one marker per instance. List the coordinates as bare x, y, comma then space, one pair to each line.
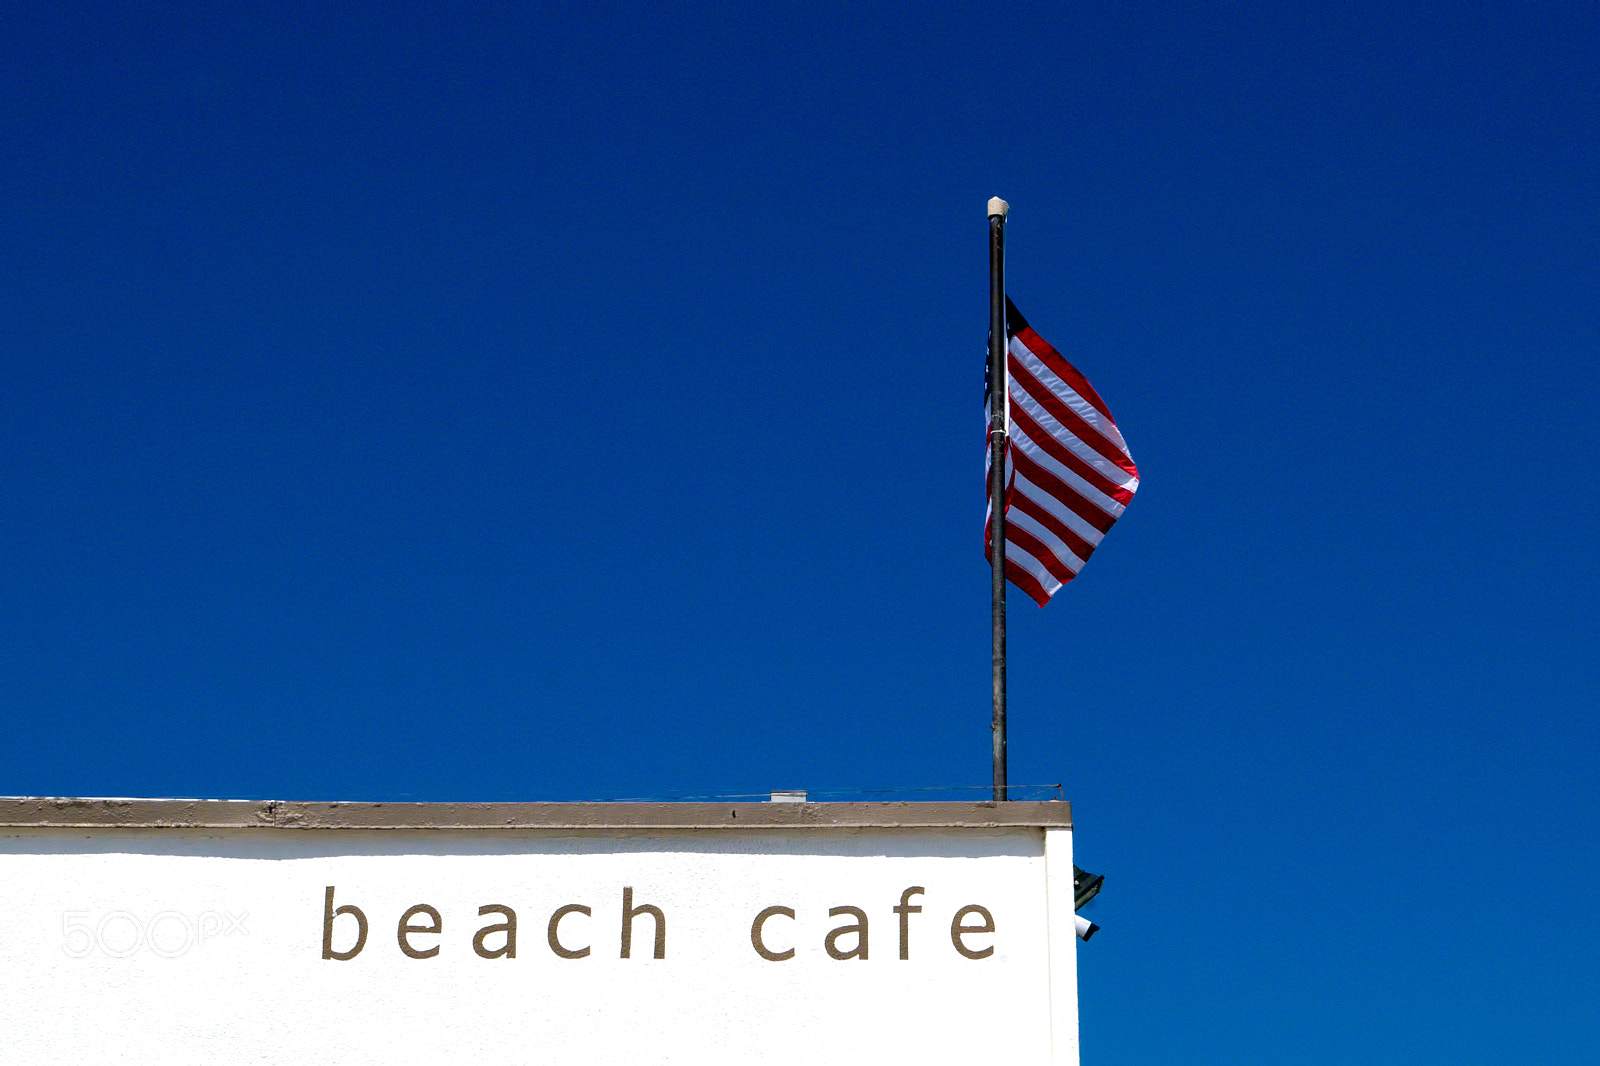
555, 923
755, 934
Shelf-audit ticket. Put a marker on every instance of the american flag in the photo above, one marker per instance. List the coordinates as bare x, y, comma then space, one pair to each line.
1068, 471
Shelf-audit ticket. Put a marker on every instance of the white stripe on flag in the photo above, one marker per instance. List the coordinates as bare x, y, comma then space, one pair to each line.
1080, 406
1078, 484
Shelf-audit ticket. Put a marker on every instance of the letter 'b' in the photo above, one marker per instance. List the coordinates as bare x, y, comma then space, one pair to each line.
328, 915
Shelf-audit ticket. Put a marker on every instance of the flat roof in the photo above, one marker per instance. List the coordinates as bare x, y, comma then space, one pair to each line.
70, 813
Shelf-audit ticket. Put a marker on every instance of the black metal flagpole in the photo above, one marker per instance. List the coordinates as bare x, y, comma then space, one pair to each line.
999, 399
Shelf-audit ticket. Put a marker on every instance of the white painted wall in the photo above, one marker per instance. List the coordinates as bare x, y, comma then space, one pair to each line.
141, 946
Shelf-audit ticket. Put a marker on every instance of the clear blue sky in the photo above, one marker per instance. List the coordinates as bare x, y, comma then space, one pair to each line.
584, 401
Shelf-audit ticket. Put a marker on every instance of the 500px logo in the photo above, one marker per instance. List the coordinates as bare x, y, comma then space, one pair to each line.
168, 934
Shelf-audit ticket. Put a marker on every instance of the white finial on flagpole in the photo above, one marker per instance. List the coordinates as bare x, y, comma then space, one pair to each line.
998, 206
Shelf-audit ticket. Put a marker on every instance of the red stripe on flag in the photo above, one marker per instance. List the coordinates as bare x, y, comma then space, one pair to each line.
1029, 584
1063, 369
1022, 579
1031, 544
1070, 420
1067, 457
1061, 492
1030, 507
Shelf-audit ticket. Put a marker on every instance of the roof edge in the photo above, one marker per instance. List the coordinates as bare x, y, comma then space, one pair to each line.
45, 812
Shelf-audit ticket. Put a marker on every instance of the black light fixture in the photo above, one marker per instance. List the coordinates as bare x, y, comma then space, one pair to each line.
1085, 886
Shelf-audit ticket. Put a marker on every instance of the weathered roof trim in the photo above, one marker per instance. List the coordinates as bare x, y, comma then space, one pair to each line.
63, 813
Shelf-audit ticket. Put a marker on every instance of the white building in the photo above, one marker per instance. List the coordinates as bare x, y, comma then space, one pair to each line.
187, 931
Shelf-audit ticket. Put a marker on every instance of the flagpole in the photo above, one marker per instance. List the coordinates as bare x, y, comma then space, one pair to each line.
999, 397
